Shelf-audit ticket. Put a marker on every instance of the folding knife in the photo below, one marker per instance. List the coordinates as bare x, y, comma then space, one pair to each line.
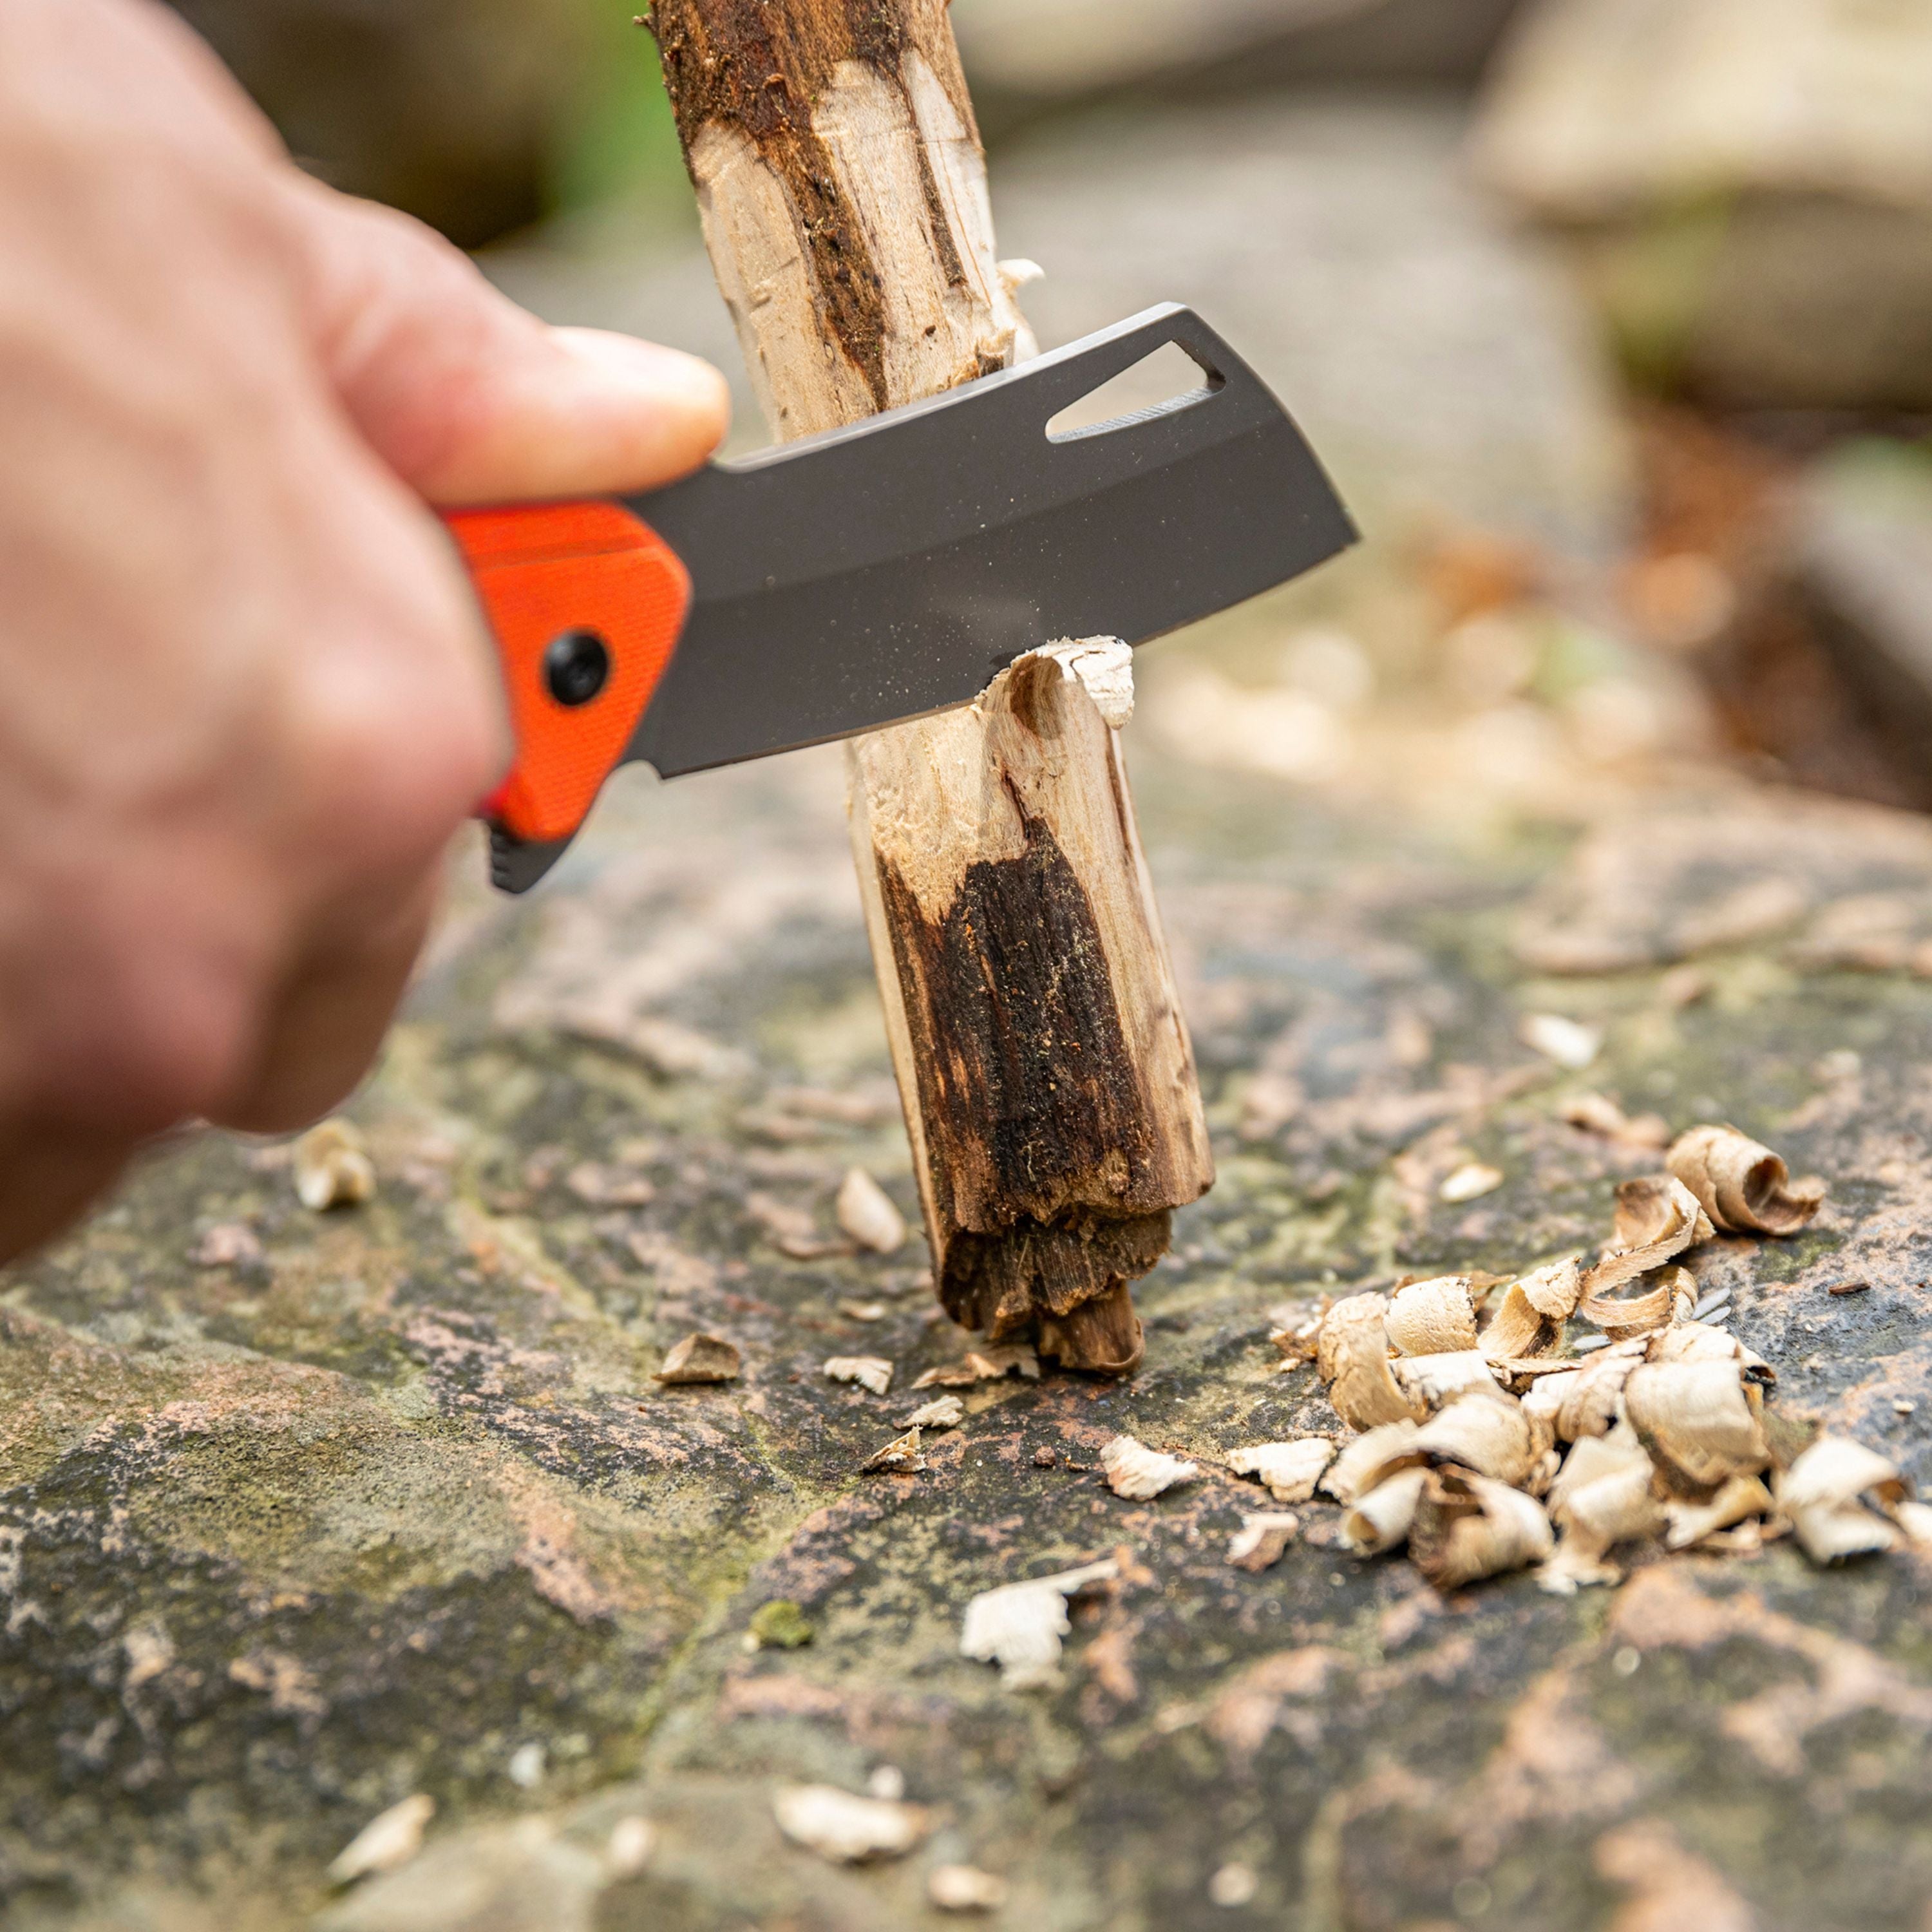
879, 572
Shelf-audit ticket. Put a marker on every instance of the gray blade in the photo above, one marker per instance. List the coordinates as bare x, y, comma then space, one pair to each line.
891, 569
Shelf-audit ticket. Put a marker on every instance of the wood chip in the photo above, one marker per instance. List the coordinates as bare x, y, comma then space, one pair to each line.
1380, 1519
1741, 1185
983, 1365
1262, 1539
864, 1311
1848, 1288
1371, 1459
867, 1212
1433, 1380
1489, 1434
1470, 1182
1352, 1358
871, 1372
1533, 1310
1691, 1523
700, 1358
1019, 1626
1567, 1042
1432, 1318
1289, 1471
944, 1411
1468, 1527
228, 1244
846, 1828
1698, 1421
1824, 1493
600, 1186
964, 1889
390, 1839
332, 1169
900, 1457
1138, 1473
1597, 1114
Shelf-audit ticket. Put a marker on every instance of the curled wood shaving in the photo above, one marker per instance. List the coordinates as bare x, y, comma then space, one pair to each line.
1690, 1523
1604, 1497
1263, 1538
1352, 1357
1289, 1471
1019, 1625
332, 1169
1595, 1400
1138, 1473
1489, 1434
871, 1372
944, 1411
700, 1358
900, 1456
867, 1214
1698, 1421
1433, 1380
1823, 1493
965, 1888
983, 1365
1657, 1218
1370, 1459
1533, 1311
847, 1829
1299, 1340
1380, 1519
1432, 1318
1467, 1527
390, 1839
1742, 1185
1698, 1341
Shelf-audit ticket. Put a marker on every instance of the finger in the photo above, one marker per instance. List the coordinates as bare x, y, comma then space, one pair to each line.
51, 1172
327, 1022
470, 399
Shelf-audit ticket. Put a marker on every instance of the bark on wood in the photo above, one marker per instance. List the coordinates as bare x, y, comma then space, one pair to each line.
1049, 1088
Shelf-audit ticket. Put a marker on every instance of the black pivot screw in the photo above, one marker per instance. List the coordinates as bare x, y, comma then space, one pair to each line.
576, 666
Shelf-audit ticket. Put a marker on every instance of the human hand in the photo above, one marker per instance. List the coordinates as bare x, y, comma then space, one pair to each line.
247, 695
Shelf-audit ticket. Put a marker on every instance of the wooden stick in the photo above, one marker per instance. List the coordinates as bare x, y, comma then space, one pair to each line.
1048, 1084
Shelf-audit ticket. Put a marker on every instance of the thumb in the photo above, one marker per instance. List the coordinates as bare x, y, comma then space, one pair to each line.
469, 398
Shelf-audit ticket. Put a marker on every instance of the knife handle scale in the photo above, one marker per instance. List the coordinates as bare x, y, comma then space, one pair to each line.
585, 602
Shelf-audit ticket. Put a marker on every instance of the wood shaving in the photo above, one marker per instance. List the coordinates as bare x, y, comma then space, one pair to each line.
1689, 1522
983, 1365
390, 1839
867, 1212
1019, 1625
1824, 1492
1299, 1340
871, 1372
900, 1456
1603, 1497
700, 1358
1470, 1182
965, 1888
1371, 1459
1289, 1471
1433, 1380
1104, 665
847, 1829
1467, 1527
332, 1169
1380, 1519
1352, 1357
1569, 1042
1698, 1421
1597, 1114
1489, 1434
1592, 1403
1741, 1185
944, 1411
1138, 1473
1532, 1311
1658, 1217
1263, 1538
1432, 1318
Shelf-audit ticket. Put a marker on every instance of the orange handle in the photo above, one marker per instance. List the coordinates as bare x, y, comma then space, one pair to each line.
586, 602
